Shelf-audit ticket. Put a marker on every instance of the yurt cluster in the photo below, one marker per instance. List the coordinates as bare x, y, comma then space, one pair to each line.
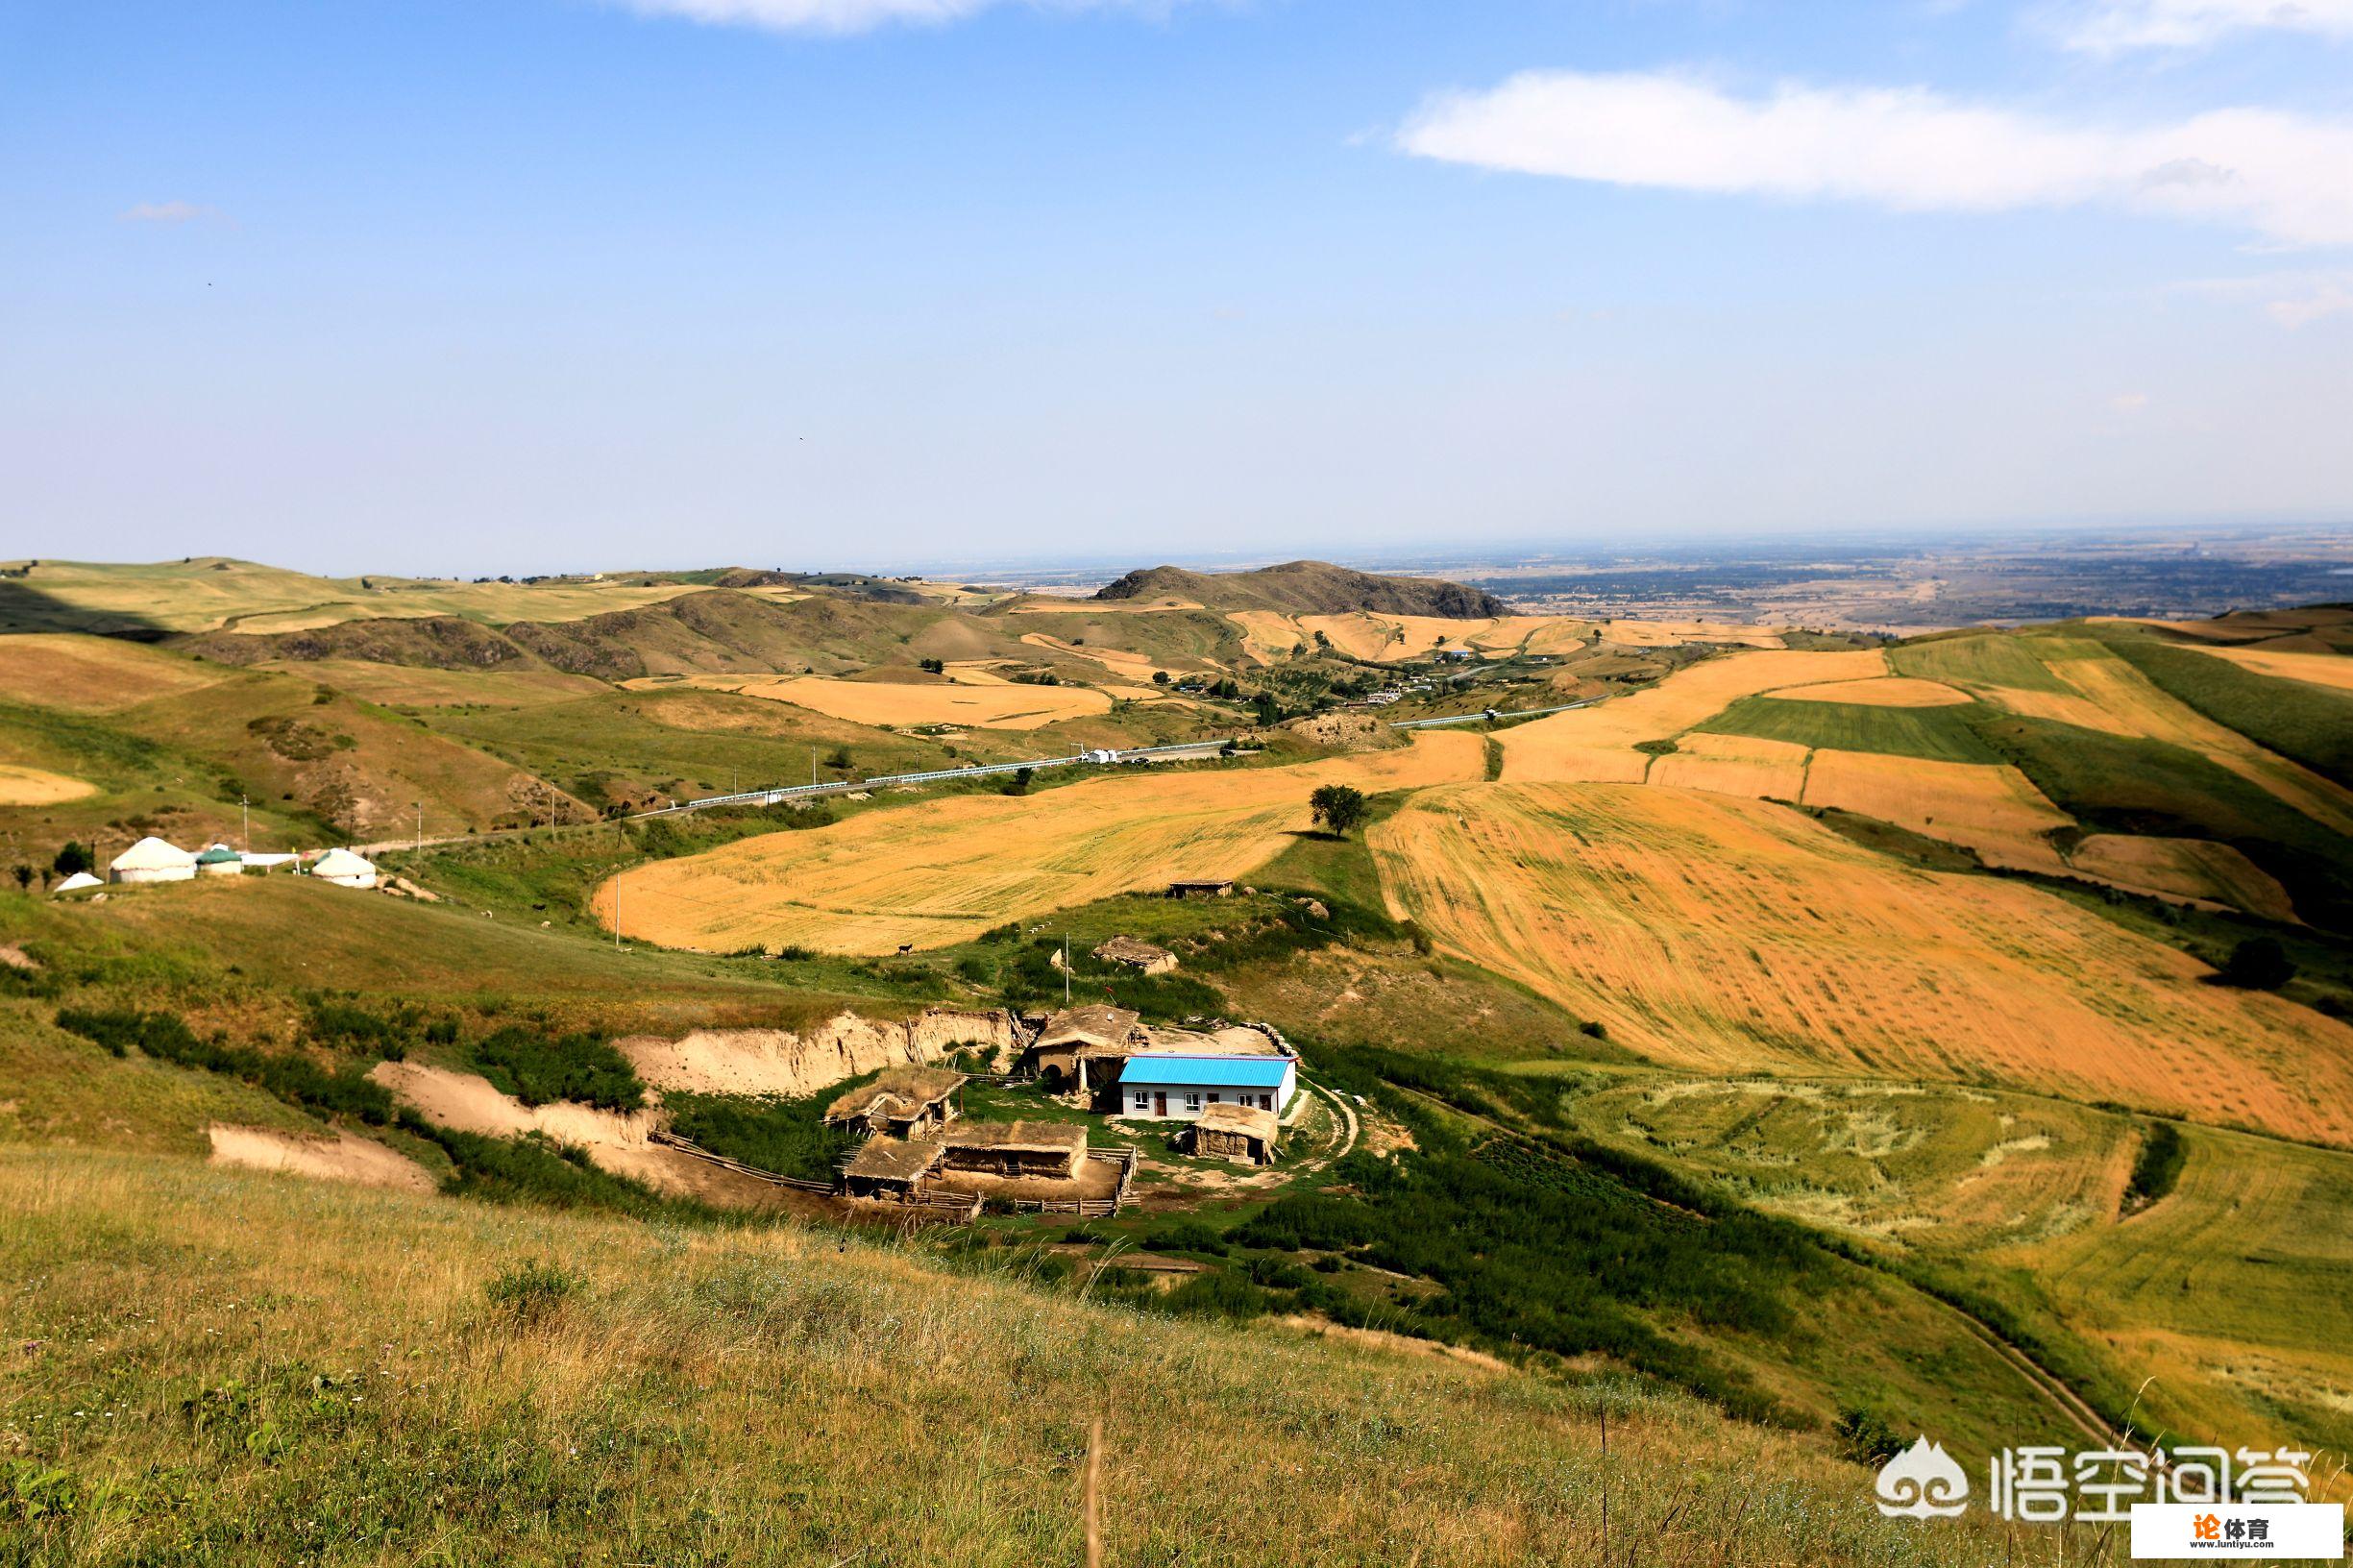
157, 860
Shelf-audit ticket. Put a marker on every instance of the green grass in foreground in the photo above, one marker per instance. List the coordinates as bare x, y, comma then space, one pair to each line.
217, 1368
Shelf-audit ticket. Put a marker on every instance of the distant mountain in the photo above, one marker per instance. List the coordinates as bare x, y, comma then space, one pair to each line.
1308, 588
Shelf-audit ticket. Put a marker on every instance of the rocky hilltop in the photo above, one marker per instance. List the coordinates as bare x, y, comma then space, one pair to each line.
1308, 588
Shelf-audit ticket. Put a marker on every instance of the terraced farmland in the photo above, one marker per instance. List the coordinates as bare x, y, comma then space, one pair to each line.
1720, 935
2236, 1291
941, 872
1598, 743
885, 705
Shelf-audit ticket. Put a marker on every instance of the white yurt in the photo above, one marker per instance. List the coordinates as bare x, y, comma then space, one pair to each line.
344, 869
220, 861
79, 882
152, 860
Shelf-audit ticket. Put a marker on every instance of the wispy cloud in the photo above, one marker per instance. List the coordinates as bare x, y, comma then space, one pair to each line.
2291, 299
849, 15
168, 212
2285, 177
2109, 27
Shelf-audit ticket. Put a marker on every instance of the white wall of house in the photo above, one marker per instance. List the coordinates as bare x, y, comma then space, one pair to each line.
1186, 1101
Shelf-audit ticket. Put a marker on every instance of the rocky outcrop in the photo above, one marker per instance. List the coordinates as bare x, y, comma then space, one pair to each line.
785, 1063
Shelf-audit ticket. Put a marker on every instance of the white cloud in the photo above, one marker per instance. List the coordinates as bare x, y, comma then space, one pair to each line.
2129, 402
2333, 298
2291, 299
2285, 177
166, 212
2108, 27
833, 16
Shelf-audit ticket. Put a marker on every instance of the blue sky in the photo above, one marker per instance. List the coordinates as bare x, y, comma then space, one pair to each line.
544, 284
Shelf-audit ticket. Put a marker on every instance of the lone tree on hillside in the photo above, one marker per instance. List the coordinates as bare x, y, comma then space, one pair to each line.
1339, 808
71, 859
2258, 963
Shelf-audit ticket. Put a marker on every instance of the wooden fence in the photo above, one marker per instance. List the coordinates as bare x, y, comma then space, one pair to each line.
960, 1207
672, 1140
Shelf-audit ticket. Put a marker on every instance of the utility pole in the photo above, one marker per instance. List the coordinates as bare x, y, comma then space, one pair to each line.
420, 805
1066, 972
246, 838
813, 767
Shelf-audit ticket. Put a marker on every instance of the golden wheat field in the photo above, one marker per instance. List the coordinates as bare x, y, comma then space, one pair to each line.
1991, 809
38, 786
2231, 1291
2104, 693
1004, 705
1668, 633
1720, 934
1597, 744
939, 871
94, 674
2198, 870
1136, 668
1733, 765
2331, 669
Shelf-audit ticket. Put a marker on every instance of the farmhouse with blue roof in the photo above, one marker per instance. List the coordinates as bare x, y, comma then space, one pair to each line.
1174, 1086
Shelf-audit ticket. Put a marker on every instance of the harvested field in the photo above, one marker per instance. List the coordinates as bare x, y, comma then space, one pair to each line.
1004, 706
1597, 743
1885, 692
1734, 764
35, 787
1935, 1166
1993, 810
2192, 869
1725, 935
1364, 634
939, 872
2231, 1291
94, 674
1668, 633
2333, 670
2078, 681
2117, 690
1136, 668
344, 1157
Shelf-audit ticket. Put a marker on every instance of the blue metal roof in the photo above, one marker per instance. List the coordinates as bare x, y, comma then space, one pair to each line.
1207, 1071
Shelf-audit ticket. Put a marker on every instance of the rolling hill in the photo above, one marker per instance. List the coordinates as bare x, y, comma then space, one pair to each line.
1304, 588
1777, 1051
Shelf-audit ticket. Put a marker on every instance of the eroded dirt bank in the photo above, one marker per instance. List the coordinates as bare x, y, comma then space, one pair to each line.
785, 1063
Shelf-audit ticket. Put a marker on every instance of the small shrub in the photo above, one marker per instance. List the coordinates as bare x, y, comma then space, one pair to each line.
2157, 1167
1219, 1295
1866, 1439
532, 1292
